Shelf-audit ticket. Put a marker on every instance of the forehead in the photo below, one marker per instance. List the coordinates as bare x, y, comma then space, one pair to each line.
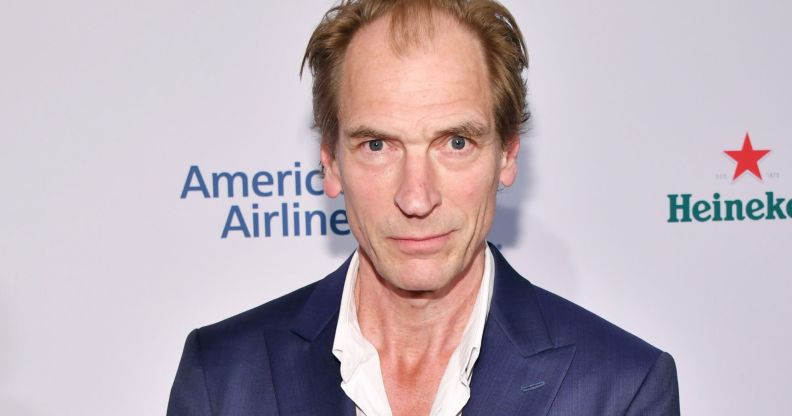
441, 79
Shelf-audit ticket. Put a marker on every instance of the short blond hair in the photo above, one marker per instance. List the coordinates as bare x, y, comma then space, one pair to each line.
502, 42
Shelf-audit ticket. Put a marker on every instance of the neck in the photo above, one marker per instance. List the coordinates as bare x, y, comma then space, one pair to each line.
415, 324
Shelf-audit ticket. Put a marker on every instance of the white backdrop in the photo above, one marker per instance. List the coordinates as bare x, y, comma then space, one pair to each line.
105, 106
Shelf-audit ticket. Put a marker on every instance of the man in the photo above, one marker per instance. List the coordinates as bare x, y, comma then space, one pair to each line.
420, 105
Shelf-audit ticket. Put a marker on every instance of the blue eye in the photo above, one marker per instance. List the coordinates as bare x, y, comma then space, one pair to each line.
376, 145
458, 142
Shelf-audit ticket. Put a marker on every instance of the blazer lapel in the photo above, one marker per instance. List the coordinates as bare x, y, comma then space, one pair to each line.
306, 375
520, 369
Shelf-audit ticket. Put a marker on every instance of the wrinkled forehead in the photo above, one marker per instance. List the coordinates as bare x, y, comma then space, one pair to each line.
440, 64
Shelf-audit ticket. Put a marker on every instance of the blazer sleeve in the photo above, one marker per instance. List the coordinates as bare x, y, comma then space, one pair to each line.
659, 392
189, 395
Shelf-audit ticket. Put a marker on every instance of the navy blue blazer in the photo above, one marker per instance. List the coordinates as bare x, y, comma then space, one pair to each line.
540, 355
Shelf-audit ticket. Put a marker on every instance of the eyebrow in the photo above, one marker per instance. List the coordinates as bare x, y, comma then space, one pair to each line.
469, 129
368, 132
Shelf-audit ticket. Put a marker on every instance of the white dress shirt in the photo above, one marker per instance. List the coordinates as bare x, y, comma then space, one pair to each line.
360, 366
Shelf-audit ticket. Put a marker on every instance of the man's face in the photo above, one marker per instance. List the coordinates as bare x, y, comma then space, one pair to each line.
418, 156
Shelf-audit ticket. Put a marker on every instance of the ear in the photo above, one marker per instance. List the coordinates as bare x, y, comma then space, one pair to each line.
332, 180
508, 172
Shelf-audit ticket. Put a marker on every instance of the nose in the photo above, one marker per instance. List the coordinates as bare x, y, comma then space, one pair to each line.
418, 193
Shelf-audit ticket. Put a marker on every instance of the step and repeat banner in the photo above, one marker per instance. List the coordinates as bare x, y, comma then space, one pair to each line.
159, 173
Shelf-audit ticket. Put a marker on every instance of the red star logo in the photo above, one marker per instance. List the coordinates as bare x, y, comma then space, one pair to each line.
747, 159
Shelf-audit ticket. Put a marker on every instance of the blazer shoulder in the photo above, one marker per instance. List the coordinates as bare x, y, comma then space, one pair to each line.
311, 303
624, 371
596, 339
226, 365
563, 322
277, 313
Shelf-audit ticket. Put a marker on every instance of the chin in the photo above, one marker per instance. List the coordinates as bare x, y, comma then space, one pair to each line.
421, 275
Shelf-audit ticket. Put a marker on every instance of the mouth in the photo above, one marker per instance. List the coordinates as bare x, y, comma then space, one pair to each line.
421, 244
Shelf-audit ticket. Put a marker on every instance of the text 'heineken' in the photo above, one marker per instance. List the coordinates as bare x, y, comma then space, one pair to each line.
682, 208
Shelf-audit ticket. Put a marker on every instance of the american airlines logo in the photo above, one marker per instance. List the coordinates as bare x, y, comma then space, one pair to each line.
272, 207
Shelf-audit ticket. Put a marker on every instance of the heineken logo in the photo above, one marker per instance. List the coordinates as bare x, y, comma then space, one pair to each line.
682, 208
767, 206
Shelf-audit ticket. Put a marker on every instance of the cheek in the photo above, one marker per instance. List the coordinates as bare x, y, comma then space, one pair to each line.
475, 187
367, 198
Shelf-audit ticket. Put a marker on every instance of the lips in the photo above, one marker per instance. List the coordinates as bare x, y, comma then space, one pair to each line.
423, 244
